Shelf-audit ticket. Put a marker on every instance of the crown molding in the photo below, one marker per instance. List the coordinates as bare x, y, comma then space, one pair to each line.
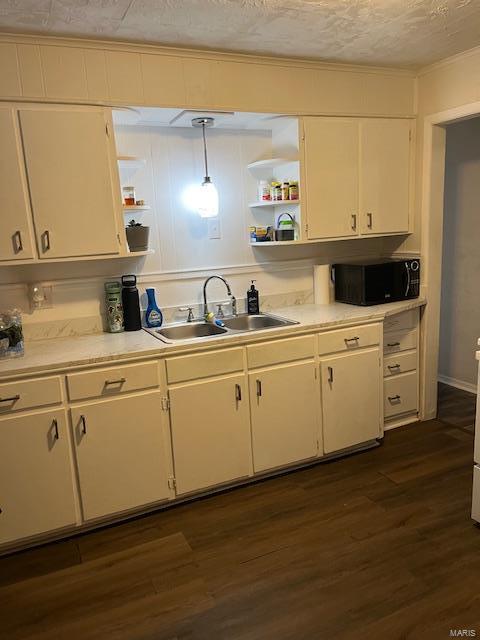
204, 54
446, 62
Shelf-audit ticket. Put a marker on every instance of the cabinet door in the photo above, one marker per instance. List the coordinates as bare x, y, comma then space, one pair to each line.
351, 399
385, 176
15, 237
36, 486
331, 177
71, 180
121, 454
284, 410
210, 433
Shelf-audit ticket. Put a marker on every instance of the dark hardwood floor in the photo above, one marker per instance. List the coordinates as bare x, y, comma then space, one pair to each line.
378, 545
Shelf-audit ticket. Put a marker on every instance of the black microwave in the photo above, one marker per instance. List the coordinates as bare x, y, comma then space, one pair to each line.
376, 281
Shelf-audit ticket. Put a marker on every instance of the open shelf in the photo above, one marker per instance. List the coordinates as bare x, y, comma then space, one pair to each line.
136, 254
275, 243
270, 163
272, 203
135, 207
130, 162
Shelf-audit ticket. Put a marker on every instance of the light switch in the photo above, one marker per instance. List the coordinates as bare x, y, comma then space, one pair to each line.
214, 228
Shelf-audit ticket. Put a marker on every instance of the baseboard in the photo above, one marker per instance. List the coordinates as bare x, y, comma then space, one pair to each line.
458, 384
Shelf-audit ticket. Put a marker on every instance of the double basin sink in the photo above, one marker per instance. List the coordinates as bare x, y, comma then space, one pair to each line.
241, 323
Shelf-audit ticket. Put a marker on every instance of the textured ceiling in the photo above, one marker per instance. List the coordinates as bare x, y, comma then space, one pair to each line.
392, 32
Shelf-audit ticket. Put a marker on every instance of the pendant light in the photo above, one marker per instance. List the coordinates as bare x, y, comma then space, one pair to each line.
207, 205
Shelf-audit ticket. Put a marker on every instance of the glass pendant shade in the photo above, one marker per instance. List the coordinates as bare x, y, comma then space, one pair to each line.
207, 199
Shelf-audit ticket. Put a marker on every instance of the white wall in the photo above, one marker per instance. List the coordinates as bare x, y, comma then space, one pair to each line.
460, 306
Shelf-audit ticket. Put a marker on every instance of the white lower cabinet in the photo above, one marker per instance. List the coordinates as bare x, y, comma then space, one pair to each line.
351, 399
210, 432
36, 482
121, 454
284, 412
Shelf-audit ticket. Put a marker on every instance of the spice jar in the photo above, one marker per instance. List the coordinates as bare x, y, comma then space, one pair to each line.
293, 192
264, 190
276, 191
128, 196
284, 191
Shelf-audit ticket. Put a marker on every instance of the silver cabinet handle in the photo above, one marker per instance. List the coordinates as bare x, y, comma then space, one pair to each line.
119, 381
45, 237
55, 429
238, 393
259, 388
354, 221
354, 339
393, 366
393, 344
369, 220
10, 399
330, 374
394, 398
17, 242
84, 424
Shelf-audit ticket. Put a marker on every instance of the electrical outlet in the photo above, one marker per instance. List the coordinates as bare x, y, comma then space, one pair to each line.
214, 228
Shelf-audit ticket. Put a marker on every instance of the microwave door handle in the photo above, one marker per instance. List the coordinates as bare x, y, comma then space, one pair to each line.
407, 290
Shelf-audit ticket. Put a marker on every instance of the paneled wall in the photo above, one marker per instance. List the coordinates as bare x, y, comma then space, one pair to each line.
88, 71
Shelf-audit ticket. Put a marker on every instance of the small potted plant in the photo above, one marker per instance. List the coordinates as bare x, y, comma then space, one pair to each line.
137, 236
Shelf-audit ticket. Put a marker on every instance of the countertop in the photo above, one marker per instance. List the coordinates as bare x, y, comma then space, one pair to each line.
64, 353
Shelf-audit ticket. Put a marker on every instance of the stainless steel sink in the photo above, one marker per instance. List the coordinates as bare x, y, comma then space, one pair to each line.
235, 324
246, 322
188, 331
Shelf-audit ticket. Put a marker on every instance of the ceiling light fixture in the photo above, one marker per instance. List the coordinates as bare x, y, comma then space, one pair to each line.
207, 206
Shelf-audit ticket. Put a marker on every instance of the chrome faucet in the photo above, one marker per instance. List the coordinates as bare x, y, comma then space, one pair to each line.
233, 300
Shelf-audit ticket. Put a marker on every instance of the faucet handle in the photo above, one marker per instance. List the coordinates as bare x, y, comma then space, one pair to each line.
190, 317
220, 313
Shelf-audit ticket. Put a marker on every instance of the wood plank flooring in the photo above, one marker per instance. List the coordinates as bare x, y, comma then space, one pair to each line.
377, 545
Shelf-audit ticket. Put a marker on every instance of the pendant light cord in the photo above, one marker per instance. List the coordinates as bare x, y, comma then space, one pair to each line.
205, 150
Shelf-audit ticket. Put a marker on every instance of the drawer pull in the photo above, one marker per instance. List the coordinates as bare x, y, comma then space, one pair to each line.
330, 375
259, 388
393, 344
45, 241
354, 339
354, 221
394, 398
17, 240
119, 381
55, 429
11, 399
393, 366
238, 393
84, 424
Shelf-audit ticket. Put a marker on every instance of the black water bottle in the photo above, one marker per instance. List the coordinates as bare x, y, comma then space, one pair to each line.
131, 304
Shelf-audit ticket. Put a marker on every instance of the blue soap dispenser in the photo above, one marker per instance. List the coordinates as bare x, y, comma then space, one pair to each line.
153, 315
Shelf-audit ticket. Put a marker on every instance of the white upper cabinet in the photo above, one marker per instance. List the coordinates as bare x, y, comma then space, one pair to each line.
73, 181
385, 176
15, 237
357, 176
331, 173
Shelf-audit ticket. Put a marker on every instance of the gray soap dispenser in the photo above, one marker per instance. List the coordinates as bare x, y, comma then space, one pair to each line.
253, 304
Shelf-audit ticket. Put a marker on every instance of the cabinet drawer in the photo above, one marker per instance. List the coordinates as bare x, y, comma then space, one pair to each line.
349, 339
112, 381
15, 396
400, 394
400, 341
278, 351
405, 320
395, 364
204, 365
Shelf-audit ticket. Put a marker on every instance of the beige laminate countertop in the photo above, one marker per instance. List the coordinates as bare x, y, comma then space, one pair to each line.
65, 353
